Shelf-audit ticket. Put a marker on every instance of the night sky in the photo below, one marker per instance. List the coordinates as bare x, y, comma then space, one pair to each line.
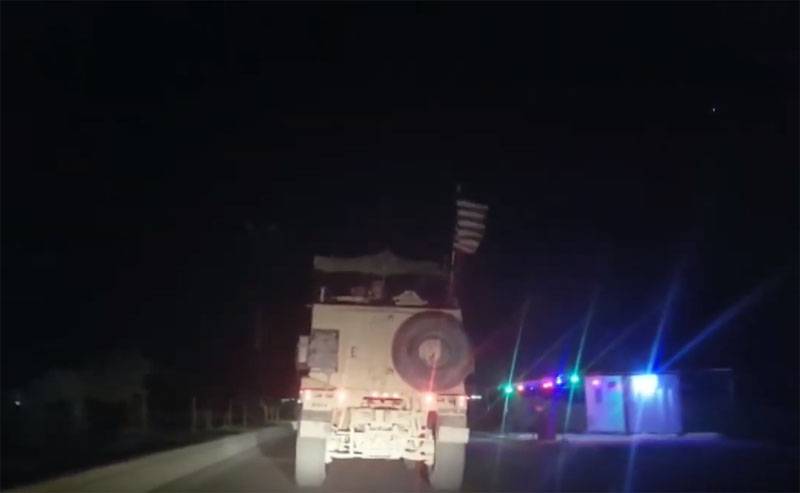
169, 170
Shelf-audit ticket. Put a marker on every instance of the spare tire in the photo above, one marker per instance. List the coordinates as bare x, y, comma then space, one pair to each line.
431, 352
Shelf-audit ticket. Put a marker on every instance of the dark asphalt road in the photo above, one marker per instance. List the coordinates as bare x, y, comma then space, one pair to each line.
508, 464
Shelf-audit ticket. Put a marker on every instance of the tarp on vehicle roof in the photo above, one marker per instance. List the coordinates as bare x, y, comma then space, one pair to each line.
384, 263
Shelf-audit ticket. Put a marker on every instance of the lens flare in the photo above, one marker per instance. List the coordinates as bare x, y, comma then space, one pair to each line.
722, 319
656, 346
579, 356
525, 306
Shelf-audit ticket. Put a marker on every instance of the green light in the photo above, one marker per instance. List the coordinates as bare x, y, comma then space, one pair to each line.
574, 378
508, 388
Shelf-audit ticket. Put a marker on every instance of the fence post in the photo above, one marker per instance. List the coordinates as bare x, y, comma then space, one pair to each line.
194, 414
207, 414
145, 417
264, 409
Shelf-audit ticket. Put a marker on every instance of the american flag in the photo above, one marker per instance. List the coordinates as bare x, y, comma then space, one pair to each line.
470, 225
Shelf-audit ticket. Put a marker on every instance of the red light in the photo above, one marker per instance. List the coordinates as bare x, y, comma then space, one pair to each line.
520, 387
429, 398
596, 382
547, 384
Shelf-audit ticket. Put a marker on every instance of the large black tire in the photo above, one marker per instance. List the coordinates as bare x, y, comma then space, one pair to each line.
447, 472
454, 362
309, 462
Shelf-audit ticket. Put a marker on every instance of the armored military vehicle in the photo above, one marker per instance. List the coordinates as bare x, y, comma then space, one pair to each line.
383, 369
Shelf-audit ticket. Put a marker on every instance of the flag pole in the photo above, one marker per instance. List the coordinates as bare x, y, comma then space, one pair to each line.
451, 290
451, 283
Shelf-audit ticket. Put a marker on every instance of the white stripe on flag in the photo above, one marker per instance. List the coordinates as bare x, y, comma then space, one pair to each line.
466, 204
468, 233
468, 214
468, 242
467, 224
464, 246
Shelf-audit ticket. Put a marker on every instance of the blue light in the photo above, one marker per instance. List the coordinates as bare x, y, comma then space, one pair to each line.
559, 380
644, 385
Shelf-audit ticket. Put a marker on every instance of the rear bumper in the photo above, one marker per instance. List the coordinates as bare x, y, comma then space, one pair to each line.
381, 444
381, 434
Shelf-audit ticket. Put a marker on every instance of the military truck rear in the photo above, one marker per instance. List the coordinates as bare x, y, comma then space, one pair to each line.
383, 368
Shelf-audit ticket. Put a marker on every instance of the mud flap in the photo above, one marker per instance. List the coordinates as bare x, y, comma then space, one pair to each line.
447, 472
309, 461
